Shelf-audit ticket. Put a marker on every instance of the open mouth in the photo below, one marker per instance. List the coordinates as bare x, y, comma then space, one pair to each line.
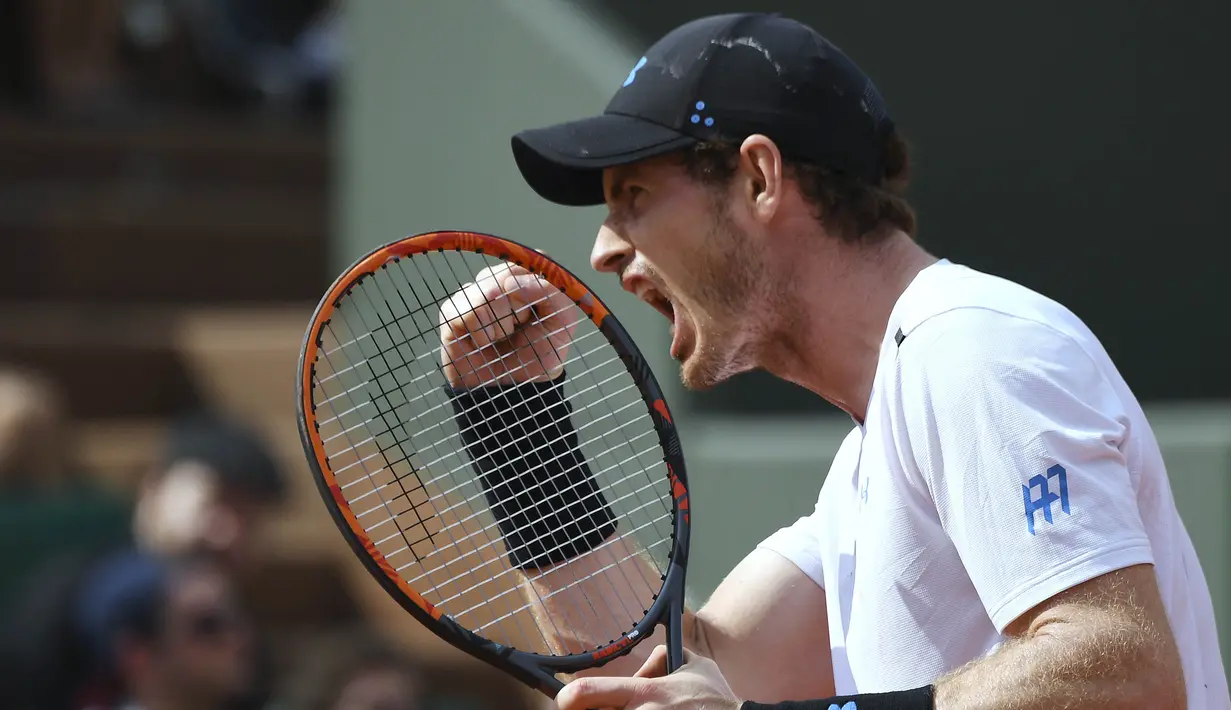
660, 303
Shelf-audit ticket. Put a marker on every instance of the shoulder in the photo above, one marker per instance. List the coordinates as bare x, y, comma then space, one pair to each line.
963, 325
981, 353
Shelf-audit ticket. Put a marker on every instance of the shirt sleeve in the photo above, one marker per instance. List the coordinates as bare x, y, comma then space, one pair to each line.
805, 541
1018, 437
801, 544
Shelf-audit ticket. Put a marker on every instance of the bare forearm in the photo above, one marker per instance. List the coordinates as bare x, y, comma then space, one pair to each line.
765, 625
595, 598
1116, 665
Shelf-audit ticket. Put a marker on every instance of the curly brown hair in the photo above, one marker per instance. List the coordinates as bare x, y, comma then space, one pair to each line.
850, 208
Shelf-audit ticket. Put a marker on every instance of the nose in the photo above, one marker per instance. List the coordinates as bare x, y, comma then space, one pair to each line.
611, 252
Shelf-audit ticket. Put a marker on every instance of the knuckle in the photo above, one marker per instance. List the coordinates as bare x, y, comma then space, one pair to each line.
580, 687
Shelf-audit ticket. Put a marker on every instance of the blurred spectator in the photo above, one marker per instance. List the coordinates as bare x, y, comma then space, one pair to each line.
47, 507
42, 664
127, 630
212, 491
32, 449
358, 671
164, 634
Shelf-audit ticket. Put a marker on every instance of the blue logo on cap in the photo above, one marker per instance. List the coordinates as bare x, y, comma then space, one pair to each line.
632, 75
696, 117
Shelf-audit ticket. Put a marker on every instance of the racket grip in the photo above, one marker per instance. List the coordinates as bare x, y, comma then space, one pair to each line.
675, 635
526, 455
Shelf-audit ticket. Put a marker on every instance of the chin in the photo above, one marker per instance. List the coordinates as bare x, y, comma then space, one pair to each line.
694, 381
701, 371
704, 367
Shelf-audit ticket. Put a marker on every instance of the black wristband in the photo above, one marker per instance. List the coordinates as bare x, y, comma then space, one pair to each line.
525, 452
914, 699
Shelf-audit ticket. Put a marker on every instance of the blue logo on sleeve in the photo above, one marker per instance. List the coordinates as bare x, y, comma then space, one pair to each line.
632, 75
850, 705
1046, 496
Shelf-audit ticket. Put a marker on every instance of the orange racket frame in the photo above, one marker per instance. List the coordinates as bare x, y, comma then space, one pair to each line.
536, 670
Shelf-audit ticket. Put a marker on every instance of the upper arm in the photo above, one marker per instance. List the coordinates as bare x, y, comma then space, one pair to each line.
1018, 438
1104, 642
1117, 624
1119, 614
1124, 602
766, 628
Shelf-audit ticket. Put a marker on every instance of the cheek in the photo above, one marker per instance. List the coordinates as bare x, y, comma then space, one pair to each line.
673, 254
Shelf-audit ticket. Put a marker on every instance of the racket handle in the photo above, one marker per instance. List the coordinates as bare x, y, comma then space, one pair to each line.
675, 635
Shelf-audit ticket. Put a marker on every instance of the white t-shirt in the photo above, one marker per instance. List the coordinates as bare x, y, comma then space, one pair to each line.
1003, 460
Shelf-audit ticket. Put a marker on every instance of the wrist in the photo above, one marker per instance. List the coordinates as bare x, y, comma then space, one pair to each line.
913, 699
527, 457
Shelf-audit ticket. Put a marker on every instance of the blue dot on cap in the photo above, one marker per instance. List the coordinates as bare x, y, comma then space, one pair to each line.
709, 121
696, 118
700, 105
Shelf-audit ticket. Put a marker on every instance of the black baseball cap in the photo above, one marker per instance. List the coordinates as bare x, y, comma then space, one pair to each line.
719, 78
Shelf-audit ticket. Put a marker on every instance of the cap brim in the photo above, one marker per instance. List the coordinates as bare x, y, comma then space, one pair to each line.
564, 163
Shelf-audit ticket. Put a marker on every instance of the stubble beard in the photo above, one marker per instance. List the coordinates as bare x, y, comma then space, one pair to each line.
731, 281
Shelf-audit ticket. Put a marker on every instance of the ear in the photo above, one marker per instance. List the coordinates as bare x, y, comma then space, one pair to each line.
760, 168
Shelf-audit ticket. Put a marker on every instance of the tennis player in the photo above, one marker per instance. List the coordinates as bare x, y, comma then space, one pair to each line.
997, 530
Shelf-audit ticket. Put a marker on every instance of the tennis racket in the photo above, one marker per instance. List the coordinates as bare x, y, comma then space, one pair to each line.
495, 449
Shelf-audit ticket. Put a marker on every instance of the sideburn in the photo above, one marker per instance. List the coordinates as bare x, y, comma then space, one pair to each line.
731, 274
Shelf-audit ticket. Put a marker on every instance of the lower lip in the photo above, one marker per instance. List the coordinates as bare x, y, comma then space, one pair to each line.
676, 344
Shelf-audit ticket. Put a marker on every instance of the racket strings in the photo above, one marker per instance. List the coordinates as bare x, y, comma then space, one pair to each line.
539, 322
544, 445
537, 577
519, 627
606, 401
378, 507
490, 542
487, 383
621, 498
618, 563
446, 577
547, 498
455, 542
535, 450
492, 346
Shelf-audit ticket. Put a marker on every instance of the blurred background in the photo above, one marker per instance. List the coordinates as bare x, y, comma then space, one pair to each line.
180, 180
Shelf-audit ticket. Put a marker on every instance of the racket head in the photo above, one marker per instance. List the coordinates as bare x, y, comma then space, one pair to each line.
536, 669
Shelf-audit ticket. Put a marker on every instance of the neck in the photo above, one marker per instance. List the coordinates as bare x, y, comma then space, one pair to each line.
841, 302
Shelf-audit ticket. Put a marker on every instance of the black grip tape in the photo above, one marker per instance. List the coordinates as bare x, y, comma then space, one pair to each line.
524, 448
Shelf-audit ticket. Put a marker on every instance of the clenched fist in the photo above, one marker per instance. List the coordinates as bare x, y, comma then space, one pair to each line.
507, 327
